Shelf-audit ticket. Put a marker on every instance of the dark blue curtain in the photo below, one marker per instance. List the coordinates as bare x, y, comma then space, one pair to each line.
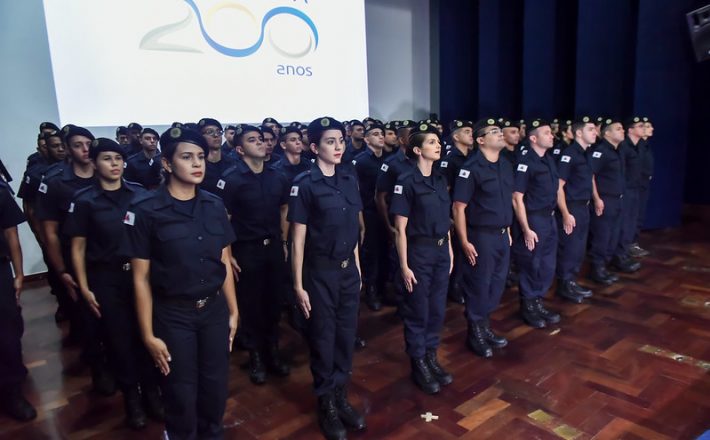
561, 58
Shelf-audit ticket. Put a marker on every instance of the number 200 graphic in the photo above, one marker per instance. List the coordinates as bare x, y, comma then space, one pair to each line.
152, 40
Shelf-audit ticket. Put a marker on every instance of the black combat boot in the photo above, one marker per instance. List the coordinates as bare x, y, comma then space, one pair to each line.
423, 378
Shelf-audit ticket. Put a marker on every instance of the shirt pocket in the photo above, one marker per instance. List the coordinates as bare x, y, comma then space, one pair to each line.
168, 232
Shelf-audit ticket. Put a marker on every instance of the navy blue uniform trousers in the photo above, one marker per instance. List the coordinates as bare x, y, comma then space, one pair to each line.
195, 390
629, 220
572, 248
334, 294
424, 308
484, 282
605, 230
12, 369
537, 267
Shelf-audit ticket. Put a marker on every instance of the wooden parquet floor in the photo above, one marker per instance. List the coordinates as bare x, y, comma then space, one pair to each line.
631, 363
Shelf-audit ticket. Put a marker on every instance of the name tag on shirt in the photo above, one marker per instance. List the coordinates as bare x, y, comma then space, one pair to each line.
464, 173
444, 164
220, 184
384, 167
565, 159
294, 191
42, 188
597, 154
398, 189
129, 218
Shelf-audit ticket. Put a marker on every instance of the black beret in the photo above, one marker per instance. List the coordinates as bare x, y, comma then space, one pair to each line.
609, 121
297, 125
507, 123
392, 126
267, 129
176, 124
407, 123
285, 131
521, 122
483, 123
149, 130
230, 127
121, 130
646, 119
204, 122
48, 126
374, 126
423, 127
135, 126
101, 145
632, 120
173, 136
69, 131
246, 128
459, 123
355, 122
51, 134
318, 126
584, 120
270, 121
600, 119
556, 121
537, 123
565, 124
191, 126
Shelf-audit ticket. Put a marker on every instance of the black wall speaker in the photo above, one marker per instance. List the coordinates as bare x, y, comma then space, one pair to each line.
699, 27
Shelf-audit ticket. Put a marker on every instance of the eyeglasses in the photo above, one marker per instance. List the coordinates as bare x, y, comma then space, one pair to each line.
494, 131
213, 132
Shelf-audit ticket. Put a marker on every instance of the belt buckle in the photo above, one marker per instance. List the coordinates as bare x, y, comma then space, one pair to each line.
126, 267
200, 303
440, 242
267, 241
344, 264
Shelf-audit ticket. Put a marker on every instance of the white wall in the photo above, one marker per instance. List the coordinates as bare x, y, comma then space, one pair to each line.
398, 58
399, 71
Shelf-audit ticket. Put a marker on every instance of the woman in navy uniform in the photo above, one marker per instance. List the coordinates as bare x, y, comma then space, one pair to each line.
12, 370
323, 210
420, 206
178, 240
95, 225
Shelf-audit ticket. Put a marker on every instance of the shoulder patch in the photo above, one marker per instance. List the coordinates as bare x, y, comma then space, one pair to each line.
464, 173
384, 167
27, 179
556, 151
597, 154
398, 189
522, 168
294, 191
220, 184
565, 158
354, 162
523, 152
42, 188
129, 218
71, 207
444, 164
150, 162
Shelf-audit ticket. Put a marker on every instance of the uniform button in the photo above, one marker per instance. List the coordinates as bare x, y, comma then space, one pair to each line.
343, 209
202, 281
199, 237
202, 260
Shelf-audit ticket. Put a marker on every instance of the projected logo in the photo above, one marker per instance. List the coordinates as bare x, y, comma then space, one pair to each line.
153, 39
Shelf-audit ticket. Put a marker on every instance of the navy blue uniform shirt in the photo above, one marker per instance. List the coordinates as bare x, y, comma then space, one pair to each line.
32, 179
575, 170
390, 171
289, 170
537, 178
450, 165
487, 189
98, 215
184, 248
633, 163
424, 201
56, 193
608, 168
329, 206
254, 201
367, 166
10, 215
141, 169
214, 172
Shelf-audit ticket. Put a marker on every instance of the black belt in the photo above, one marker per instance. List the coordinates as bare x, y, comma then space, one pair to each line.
577, 202
114, 266
490, 229
266, 241
542, 212
323, 262
613, 196
187, 303
428, 241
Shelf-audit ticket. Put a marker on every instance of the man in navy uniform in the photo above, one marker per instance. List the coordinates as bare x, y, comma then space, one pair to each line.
144, 166
216, 163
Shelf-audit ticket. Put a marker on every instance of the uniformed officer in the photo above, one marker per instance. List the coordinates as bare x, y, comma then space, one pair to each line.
391, 141
632, 150
134, 134
323, 210
373, 253
178, 240
272, 123
483, 214
216, 163
291, 163
575, 176
420, 206
608, 168
144, 167
95, 225
122, 136
449, 165
535, 240
269, 142
356, 144
646, 153
256, 198
561, 140
12, 369
511, 137
56, 192
228, 145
